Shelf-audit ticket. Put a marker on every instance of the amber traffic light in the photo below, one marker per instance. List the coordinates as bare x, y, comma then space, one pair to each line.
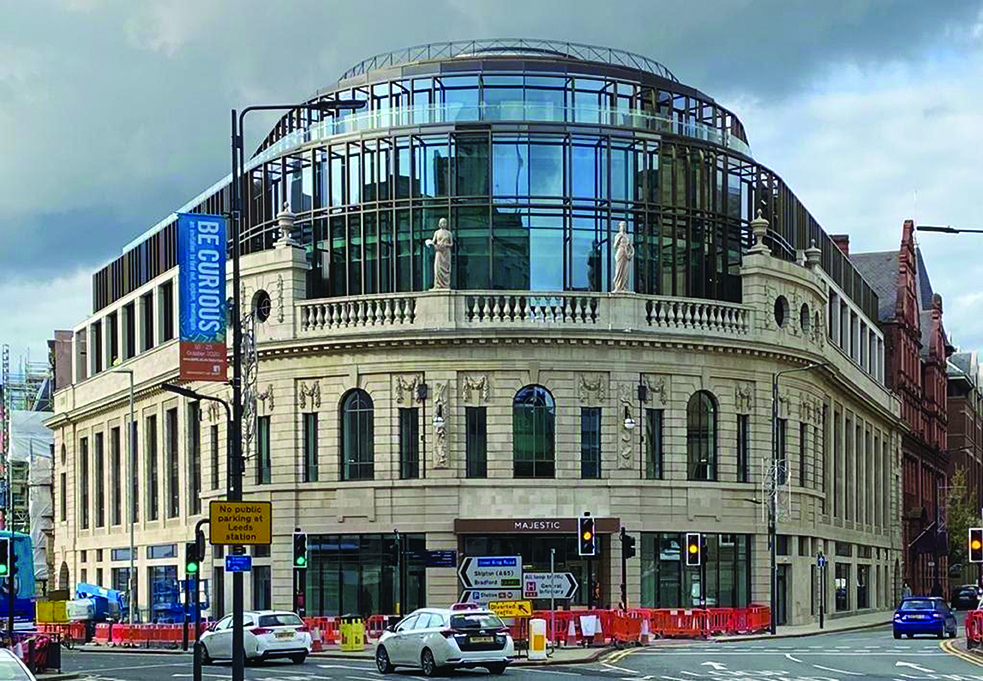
976, 545
693, 549
587, 538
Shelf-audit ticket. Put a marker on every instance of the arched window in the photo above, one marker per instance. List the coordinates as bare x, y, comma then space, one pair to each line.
701, 437
357, 437
533, 433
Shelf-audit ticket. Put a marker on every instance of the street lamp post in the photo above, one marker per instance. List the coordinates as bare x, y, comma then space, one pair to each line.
131, 596
235, 430
773, 507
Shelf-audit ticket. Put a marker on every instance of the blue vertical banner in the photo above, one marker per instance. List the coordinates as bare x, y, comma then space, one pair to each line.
201, 252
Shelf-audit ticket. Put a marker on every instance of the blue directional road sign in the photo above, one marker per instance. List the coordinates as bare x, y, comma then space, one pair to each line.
235, 563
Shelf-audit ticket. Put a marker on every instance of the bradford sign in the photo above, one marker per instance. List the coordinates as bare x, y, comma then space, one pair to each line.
201, 295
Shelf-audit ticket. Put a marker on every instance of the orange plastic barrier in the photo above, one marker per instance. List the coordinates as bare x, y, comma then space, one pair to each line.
104, 635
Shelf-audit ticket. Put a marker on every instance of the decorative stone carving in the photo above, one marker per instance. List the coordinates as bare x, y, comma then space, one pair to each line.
441, 243
279, 298
591, 389
625, 449
624, 252
476, 384
744, 397
813, 256
759, 228
811, 409
214, 411
407, 385
440, 425
657, 385
268, 395
285, 223
313, 392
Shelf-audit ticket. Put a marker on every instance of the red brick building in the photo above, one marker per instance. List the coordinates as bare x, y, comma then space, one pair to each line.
916, 353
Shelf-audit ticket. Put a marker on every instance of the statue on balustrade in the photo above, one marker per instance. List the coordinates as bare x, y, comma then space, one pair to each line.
624, 252
441, 243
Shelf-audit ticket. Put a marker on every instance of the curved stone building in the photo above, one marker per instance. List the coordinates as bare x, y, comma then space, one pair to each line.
485, 417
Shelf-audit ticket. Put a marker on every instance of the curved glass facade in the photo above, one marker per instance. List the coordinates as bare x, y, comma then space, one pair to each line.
534, 159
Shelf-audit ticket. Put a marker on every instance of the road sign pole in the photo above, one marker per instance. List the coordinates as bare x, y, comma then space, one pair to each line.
200, 541
590, 584
187, 604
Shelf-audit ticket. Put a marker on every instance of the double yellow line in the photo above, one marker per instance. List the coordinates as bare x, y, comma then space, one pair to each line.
619, 655
950, 647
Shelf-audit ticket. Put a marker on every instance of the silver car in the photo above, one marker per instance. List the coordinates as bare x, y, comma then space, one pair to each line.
432, 639
11, 667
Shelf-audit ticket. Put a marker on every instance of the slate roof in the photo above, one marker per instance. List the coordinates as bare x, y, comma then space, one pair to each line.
880, 269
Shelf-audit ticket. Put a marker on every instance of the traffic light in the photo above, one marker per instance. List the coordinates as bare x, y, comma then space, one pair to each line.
192, 561
586, 537
976, 545
4, 557
693, 549
300, 550
627, 545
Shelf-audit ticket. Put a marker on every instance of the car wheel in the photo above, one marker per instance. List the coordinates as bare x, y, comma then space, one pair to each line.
897, 634
382, 662
909, 635
298, 658
427, 663
205, 657
498, 668
942, 633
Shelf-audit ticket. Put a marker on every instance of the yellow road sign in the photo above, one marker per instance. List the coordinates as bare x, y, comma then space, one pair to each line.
249, 523
511, 608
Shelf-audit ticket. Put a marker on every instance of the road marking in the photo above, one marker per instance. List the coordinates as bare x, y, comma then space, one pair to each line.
913, 666
121, 669
950, 648
789, 656
619, 669
837, 671
715, 665
341, 666
550, 671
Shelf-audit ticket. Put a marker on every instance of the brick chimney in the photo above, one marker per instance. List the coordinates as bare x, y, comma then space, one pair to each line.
842, 242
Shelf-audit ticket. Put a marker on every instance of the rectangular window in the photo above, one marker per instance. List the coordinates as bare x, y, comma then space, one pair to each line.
590, 442
163, 585
842, 585
655, 457
120, 554
667, 583
781, 548
477, 441
803, 454
264, 463
162, 551
310, 447
173, 480
743, 446
218, 592
64, 497
153, 472
133, 458
782, 453
215, 456
409, 443
100, 482
129, 331
99, 575
115, 460
167, 311
262, 591
121, 578
148, 321
84, 483
194, 457
112, 328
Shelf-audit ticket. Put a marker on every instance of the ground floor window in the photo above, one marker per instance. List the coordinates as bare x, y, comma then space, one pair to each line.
668, 583
842, 585
121, 578
358, 575
218, 600
535, 552
262, 587
164, 594
863, 580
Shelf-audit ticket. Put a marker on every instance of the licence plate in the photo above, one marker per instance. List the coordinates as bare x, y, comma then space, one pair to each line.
917, 617
284, 634
482, 639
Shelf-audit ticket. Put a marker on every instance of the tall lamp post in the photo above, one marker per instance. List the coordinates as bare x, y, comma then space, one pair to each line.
131, 596
773, 508
235, 430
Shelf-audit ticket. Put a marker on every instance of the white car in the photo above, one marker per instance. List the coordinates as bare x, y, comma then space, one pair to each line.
430, 639
267, 634
11, 667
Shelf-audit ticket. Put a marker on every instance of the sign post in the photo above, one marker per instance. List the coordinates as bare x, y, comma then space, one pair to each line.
509, 609
552, 585
202, 252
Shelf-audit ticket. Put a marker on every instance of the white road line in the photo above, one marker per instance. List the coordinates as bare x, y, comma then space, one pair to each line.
789, 656
120, 669
549, 671
837, 671
620, 669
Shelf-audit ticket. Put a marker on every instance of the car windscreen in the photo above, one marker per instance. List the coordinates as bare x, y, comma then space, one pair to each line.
11, 671
967, 591
918, 605
286, 619
476, 621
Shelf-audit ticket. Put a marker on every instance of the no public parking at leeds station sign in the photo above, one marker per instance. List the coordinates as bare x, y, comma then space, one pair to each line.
248, 523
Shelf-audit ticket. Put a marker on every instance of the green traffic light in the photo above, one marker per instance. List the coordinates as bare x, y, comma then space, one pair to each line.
191, 567
300, 562
3, 569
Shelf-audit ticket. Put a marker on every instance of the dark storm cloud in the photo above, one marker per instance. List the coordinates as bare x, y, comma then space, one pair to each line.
120, 109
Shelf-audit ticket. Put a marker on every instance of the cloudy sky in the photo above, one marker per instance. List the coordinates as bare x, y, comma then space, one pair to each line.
113, 113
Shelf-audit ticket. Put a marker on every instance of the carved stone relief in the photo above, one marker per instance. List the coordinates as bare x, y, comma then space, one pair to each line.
406, 388
440, 425
744, 397
214, 411
267, 395
591, 388
625, 449
311, 392
475, 388
657, 387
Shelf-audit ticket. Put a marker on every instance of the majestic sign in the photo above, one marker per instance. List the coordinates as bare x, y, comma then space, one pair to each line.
201, 296
559, 585
247, 523
491, 572
531, 525
511, 608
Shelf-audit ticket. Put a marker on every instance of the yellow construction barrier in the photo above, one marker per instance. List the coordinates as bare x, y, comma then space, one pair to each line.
352, 632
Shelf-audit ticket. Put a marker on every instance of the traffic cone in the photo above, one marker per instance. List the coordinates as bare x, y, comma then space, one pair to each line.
643, 637
571, 634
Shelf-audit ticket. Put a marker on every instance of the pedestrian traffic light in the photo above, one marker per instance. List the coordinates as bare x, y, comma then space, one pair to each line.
192, 561
627, 545
693, 549
976, 545
5, 551
300, 550
586, 537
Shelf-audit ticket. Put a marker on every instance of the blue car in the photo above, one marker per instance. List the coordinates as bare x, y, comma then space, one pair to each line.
924, 615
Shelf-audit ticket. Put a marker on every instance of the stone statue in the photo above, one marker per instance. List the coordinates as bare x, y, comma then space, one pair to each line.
624, 251
442, 242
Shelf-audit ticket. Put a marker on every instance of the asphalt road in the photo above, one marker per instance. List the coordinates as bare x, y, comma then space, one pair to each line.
851, 656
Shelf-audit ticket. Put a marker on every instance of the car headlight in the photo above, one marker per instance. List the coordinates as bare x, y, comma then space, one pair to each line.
897, 616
